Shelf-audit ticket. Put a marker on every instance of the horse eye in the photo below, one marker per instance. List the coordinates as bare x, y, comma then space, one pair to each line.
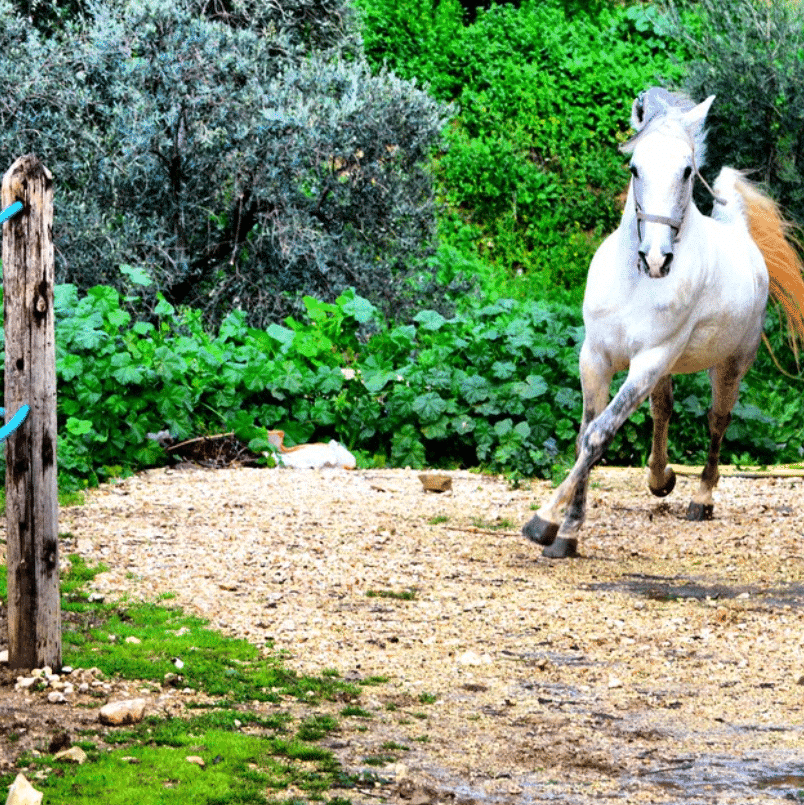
634, 171
687, 172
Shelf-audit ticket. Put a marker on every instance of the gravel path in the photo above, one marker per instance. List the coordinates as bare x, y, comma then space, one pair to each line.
665, 665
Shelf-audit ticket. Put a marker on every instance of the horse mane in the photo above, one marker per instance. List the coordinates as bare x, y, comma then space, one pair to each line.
777, 239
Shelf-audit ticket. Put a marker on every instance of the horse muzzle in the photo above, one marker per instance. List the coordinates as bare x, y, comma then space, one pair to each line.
655, 265
657, 235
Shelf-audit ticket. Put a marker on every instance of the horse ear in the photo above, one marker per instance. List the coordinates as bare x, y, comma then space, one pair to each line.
695, 118
647, 105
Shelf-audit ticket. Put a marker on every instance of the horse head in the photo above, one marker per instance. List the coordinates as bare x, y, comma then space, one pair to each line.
664, 164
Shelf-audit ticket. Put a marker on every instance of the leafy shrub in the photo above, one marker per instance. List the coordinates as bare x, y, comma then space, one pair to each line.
496, 387
245, 154
544, 92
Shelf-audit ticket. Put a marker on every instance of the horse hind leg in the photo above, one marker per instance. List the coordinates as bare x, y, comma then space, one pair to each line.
661, 478
725, 388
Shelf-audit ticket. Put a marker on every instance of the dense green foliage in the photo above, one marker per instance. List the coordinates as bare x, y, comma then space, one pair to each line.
246, 158
496, 387
750, 54
532, 175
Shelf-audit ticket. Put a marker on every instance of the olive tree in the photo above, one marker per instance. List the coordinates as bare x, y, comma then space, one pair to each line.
749, 54
241, 154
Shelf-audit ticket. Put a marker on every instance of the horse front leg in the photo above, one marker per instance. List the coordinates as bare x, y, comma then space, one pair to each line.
661, 478
596, 377
561, 542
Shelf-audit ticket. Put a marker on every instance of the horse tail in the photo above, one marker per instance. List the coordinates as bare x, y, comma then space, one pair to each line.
776, 238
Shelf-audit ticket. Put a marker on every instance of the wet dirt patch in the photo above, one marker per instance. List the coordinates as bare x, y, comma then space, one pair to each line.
660, 588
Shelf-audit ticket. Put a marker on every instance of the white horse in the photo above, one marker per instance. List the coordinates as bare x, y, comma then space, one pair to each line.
671, 291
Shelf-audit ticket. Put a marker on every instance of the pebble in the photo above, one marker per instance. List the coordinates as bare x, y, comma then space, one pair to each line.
473, 658
22, 792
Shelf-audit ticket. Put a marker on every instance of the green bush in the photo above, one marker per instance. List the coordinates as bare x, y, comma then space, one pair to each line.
544, 93
495, 386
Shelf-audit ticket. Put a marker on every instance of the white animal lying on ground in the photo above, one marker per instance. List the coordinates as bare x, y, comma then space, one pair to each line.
311, 456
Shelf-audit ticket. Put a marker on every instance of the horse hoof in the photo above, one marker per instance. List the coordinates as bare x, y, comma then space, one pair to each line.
561, 548
540, 531
669, 485
700, 511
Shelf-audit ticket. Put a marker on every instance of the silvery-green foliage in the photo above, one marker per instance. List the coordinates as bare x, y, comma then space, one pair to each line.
243, 155
749, 54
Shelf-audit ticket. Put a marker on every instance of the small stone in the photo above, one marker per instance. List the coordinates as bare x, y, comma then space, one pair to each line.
133, 640
130, 711
179, 663
56, 697
4, 657
198, 761
22, 792
26, 682
615, 682
435, 483
800, 680
75, 754
473, 658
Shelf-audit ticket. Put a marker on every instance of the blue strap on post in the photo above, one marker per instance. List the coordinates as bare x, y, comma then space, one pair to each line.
22, 414
10, 211
14, 422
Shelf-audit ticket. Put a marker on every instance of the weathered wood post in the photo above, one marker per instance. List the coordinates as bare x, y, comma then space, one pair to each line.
34, 609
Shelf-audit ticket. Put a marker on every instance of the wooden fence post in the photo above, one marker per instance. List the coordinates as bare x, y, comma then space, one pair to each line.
32, 556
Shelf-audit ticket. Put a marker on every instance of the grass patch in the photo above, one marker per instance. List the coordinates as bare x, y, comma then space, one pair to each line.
153, 769
399, 595
249, 757
497, 525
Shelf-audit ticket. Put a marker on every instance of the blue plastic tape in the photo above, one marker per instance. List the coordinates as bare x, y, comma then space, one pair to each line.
14, 422
10, 211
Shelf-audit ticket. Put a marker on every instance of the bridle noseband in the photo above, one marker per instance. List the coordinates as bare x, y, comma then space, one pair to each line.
673, 223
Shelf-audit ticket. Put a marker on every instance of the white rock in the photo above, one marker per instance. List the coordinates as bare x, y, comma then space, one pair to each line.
473, 658
22, 792
615, 682
130, 711
56, 697
133, 640
75, 754
4, 657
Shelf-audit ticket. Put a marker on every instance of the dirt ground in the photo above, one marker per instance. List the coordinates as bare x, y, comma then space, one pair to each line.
664, 665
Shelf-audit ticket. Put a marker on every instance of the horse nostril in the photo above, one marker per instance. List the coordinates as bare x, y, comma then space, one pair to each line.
666, 265
643, 259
